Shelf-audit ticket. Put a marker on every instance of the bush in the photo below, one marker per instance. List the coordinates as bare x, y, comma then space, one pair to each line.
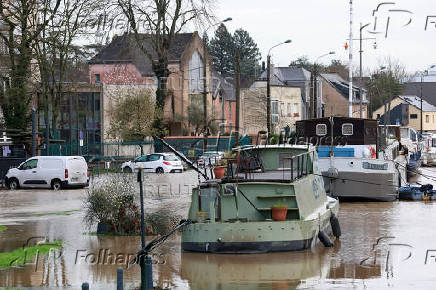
112, 201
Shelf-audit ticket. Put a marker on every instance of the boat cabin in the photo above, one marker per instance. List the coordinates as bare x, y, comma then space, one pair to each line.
346, 131
262, 176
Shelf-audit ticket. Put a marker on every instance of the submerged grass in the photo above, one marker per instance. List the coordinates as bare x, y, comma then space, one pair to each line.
69, 212
22, 255
2, 228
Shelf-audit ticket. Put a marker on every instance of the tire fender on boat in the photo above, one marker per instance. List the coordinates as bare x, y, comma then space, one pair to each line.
336, 228
325, 240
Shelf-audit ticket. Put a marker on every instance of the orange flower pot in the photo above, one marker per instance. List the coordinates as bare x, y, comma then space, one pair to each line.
219, 171
279, 213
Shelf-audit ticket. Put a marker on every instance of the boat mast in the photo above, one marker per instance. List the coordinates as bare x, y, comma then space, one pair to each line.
350, 65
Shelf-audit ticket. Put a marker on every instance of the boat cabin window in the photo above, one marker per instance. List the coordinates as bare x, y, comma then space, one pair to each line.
347, 129
321, 129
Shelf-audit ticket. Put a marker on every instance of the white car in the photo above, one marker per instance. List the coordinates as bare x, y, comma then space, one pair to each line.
49, 171
157, 162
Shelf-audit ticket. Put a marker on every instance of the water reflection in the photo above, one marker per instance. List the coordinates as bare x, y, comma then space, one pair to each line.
276, 270
360, 259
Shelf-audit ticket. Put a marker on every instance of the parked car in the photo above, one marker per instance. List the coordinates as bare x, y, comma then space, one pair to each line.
49, 171
210, 158
157, 162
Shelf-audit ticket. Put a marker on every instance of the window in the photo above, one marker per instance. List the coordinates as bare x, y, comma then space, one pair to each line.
97, 78
321, 129
427, 118
296, 110
282, 109
289, 110
153, 157
196, 73
275, 112
413, 116
171, 158
31, 164
347, 129
141, 158
378, 116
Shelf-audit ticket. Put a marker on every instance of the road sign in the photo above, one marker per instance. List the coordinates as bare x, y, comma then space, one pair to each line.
81, 142
81, 135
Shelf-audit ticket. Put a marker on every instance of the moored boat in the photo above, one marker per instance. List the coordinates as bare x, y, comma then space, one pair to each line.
424, 192
235, 214
353, 163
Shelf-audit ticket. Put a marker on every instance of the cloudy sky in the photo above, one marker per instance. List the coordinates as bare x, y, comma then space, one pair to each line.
319, 26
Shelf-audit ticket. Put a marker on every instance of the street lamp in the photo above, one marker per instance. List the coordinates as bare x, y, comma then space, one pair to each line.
205, 57
360, 68
314, 101
268, 89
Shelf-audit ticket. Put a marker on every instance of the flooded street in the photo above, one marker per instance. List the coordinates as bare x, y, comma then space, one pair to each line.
383, 245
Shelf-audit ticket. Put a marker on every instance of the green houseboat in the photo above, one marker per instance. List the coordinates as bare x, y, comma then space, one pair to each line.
235, 214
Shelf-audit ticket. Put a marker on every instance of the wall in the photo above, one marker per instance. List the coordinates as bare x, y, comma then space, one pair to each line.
413, 123
118, 73
253, 108
337, 105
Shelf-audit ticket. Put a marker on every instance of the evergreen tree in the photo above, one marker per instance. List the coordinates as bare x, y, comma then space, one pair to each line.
223, 48
221, 51
250, 55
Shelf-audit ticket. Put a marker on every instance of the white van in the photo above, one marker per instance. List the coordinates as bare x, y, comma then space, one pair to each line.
49, 171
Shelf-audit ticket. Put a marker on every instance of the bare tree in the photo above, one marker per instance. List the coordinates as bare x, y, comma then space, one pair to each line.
24, 27
55, 50
131, 113
162, 20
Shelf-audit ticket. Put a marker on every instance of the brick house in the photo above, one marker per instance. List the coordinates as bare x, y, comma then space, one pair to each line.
122, 62
335, 97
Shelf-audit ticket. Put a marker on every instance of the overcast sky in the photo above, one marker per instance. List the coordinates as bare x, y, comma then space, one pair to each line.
319, 26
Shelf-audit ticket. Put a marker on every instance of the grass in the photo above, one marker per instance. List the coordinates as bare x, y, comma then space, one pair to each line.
27, 254
69, 212
2, 228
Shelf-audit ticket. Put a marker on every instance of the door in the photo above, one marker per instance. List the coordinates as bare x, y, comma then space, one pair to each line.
29, 176
140, 161
153, 162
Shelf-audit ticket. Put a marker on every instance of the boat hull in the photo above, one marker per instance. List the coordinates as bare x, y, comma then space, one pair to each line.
257, 237
415, 193
353, 182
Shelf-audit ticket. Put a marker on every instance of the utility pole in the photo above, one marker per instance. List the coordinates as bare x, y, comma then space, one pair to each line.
360, 74
315, 92
205, 57
268, 98
237, 94
350, 65
311, 95
422, 75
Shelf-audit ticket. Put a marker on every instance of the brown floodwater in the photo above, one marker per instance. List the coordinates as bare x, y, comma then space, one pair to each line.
383, 245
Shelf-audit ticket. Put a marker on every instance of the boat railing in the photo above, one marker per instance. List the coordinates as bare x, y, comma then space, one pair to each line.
292, 168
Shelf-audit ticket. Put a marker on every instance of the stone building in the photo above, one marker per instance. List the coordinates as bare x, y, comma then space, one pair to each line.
286, 109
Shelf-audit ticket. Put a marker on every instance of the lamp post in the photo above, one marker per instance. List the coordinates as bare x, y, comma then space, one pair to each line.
314, 101
360, 72
205, 57
268, 89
